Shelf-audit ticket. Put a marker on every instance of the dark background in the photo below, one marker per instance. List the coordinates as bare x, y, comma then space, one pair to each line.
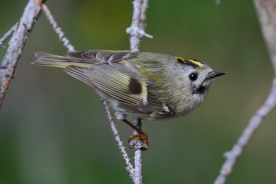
53, 128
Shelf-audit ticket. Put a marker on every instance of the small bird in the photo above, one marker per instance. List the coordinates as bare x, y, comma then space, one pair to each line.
142, 85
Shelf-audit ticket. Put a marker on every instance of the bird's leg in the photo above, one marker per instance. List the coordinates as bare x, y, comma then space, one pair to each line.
141, 137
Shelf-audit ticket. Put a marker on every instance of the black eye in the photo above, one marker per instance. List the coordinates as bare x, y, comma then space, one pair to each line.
193, 76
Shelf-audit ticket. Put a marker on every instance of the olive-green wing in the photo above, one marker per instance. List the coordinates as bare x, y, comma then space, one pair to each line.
109, 80
116, 77
131, 92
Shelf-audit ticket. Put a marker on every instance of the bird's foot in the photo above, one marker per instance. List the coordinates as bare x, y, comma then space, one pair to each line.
139, 141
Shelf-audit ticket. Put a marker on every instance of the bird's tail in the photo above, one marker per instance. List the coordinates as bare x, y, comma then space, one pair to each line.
45, 59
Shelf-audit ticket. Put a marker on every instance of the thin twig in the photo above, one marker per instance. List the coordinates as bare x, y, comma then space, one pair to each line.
254, 124
266, 13
142, 23
135, 31
57, 29
138, 154
129, 166
7, 35
16, 45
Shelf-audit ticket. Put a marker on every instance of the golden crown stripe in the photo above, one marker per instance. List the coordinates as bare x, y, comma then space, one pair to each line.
195, 62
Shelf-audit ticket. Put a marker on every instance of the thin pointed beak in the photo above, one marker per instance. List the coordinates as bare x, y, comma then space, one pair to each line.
212, 75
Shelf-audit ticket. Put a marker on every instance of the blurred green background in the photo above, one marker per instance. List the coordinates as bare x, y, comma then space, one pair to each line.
53, 129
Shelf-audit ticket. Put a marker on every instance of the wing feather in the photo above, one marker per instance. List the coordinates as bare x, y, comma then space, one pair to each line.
104, 56
107, 80
116, 77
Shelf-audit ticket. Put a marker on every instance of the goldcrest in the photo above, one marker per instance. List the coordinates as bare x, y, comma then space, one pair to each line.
143, 85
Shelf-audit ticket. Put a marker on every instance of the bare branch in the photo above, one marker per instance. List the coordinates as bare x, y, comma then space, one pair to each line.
138, 154
267, 17
142, 23
138, 166
17, 43
7, 35
129, 166
136, 30
266, 10
57, 29
254, 124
